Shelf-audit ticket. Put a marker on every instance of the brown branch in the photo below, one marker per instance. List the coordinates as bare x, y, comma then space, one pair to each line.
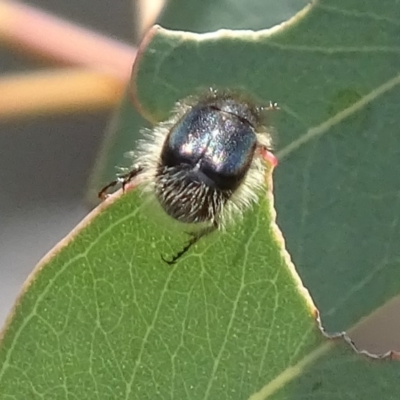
30, 30
68, 90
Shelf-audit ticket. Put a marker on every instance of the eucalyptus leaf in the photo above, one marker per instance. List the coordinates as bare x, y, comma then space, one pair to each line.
199, 16
104, 317
334, 70
211, 15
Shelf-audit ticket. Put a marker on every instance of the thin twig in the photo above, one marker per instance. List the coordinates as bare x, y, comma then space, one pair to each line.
46, 36
64, 91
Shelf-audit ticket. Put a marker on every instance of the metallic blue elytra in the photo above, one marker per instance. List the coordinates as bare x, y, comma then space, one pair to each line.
204, 163
214, 142
205, 157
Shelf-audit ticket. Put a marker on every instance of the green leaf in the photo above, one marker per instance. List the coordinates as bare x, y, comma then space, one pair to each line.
335, 72
211, 15
104, 317
200, 16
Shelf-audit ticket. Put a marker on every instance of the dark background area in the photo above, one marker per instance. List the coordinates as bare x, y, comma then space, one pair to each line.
45, 163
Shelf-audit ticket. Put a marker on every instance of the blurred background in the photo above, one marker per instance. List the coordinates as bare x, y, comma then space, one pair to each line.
46, 162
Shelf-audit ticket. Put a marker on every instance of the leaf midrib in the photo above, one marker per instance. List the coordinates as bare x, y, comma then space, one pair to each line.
317, 131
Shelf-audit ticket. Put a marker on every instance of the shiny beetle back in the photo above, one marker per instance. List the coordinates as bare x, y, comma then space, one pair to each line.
206, 163
205, 157
215, 146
